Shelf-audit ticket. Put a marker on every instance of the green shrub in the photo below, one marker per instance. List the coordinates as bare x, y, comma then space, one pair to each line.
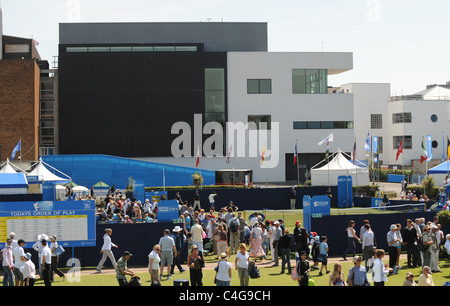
444, 217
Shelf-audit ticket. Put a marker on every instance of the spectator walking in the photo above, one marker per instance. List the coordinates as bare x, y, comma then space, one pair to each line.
178, 238
242, 225
302, 268
196, 199
55, 259
8, 264
368, 243
46, 263
168, 251
29, 271
153, 265
256, 242
241, 265
19, 262
221, 238
285, 250
106, 251
351, 240
122, 269
323, 254
233, 226
223, 275
277, 233
195, 263
357, 276
212, 200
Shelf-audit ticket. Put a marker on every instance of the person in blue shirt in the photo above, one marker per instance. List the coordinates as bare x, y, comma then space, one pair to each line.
187, 221
357, 276
323, 254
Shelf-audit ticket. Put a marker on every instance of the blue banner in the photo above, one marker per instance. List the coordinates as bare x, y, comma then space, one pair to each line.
307, 212
168, 211
375, 148
320, 205
429, 148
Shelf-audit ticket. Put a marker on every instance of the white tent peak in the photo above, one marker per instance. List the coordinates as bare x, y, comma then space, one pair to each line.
47, 176
9, 167
339, 162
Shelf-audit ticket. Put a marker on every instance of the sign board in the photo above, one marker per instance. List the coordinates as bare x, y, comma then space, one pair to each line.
307, 212
315, 207
155, 194
375, 203
73, 222
168, 211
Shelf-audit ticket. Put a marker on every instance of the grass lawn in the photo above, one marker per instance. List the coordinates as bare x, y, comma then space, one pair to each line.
270, 276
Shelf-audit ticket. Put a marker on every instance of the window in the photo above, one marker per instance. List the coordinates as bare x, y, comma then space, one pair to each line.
257, 119
311, 125
434, 118
259, 86
376, 121
309, 81
407, 142
215, 95
401, 118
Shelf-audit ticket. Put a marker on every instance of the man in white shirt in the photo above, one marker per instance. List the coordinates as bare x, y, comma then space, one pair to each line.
19, 257
106, 250
368, 243
168, 250
212, 200
197, 237
46, 256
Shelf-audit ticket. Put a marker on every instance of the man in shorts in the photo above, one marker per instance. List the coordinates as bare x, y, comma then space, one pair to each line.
168, 250
19, 257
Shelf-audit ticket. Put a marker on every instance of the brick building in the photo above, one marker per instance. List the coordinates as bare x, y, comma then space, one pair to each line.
19, 107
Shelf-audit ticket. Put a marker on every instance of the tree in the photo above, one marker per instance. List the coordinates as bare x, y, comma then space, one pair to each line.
444, 217
197, 179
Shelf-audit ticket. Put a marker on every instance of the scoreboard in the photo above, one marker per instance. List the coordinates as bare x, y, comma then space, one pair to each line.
73, 222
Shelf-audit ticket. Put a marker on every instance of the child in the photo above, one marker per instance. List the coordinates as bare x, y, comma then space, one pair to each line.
323, 254
315, 251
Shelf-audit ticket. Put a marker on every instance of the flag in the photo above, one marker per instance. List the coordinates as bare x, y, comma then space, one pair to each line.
367, 145
328, 151
327, 139
262, 154
354, 152
18, 147
443, 148
35, 42
399, 150
295, 154
423, 158
448, 148
229, 153
198, 157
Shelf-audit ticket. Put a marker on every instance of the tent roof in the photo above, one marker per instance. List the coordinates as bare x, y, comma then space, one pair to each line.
435, 93
101, 185
13, 180
440, 169
41, 171
10, 167
339, 162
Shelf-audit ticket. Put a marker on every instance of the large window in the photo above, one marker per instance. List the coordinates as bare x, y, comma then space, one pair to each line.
311, 125
401, 118
407, 142
376, 121
259, 86
309, 81
215, 94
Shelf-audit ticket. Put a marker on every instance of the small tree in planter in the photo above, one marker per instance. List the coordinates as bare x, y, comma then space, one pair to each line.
444, 217
197, 179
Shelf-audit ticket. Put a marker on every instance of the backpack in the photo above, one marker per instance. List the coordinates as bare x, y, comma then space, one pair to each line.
422, 247
233, 226
135, 281
253, 270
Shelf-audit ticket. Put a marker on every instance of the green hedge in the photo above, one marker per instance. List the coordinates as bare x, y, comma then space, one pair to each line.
382, 174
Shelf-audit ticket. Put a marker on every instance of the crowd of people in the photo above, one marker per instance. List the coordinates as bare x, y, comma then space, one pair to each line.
19, 269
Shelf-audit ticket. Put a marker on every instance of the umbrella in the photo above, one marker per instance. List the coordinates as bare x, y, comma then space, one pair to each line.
101, 185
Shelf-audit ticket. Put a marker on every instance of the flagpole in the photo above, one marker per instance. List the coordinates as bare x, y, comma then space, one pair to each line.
20, 152
233, 173
298, 168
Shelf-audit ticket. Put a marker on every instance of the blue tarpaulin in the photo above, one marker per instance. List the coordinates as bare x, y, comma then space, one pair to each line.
13, 180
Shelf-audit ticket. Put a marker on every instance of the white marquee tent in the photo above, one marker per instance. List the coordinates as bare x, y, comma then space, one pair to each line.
8, 167
47, 176
339, 165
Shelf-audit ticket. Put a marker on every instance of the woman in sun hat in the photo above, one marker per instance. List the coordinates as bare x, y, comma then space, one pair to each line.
223, 269
28, 271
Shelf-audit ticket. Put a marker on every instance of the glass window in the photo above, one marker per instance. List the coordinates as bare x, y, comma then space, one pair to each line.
215, 101
259, 119
327, 125
376, 121
407, 142
300, 125
309, 81
98, 49
259, 86
314, 125
76, 49
434, 118
401, 118
252, 86
121, 49
142, 49
214, 79
164, 48
186, 48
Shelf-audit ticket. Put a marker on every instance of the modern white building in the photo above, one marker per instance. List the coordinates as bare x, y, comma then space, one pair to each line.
408, 119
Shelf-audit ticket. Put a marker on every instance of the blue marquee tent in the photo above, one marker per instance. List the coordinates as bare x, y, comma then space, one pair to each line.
440, 169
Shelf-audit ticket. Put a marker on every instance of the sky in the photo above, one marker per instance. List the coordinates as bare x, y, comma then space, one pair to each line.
400, 42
